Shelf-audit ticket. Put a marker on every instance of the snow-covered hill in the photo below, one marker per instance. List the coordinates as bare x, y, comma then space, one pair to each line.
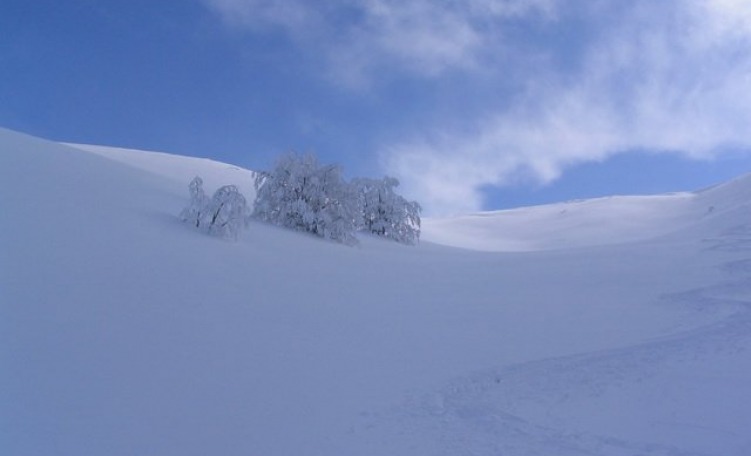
573, 224
124, 332
177, 169
600, 221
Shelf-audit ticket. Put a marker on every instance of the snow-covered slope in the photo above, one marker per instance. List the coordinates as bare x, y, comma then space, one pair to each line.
178, 169
601, 221
582, 223
124, 332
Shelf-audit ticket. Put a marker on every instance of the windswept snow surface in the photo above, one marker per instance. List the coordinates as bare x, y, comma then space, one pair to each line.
124, 332
179, 169
600, 221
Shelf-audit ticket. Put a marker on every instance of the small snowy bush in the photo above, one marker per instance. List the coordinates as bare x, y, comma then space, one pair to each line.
385, 213
227, 212
224, 215
199, 202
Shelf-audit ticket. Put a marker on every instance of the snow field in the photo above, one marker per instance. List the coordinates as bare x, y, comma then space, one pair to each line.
124, 332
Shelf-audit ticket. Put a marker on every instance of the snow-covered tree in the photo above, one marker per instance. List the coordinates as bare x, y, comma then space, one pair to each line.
195, 211
301, 194
224, 215
386, 213
227, 212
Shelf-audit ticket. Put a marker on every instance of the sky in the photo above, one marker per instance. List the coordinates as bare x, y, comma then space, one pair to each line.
471, 104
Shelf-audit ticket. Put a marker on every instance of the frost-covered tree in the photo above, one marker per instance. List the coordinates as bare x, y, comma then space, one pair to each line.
195, 211
386, 213
302, 195
227, 212
224, 215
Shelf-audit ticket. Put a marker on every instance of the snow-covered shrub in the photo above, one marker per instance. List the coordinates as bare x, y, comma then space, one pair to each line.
302, 195
227, 212
195, 211
224, 215
385, 213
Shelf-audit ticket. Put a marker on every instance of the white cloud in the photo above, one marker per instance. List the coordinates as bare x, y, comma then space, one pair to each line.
665, 79
647, 75
290, 15
359, 38
726, 17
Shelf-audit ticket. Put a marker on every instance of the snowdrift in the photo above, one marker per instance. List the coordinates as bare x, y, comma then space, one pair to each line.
613, 326
600, 221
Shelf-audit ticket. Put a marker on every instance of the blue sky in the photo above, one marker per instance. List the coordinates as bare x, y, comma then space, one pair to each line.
472, 104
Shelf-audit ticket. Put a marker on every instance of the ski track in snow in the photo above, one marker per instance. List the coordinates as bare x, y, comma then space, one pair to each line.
486, 413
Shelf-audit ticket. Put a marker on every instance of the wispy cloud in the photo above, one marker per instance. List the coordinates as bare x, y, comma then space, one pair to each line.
671, 78
593, 79
359, 38
291, 15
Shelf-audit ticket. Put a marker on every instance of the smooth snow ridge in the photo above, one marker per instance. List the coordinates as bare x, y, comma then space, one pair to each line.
179, 169
593, 222
584, 223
